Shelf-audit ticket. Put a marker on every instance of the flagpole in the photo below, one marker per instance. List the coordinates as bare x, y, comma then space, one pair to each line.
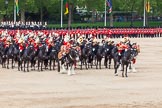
14, 11
105, 14
61, 13
144, 14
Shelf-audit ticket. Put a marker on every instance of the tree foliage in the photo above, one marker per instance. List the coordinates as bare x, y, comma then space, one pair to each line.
50, 9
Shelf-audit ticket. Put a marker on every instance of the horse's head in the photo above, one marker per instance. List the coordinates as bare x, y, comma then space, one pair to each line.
136, 47
134, 52
87, 48
43, 48
28, 51
114, 50
30, 48
74, 54
127, 54
100, 50
107, 49
11, 49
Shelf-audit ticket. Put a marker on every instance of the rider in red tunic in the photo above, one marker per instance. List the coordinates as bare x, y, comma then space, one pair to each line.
49, 42
122, 45
21, 44
36, 44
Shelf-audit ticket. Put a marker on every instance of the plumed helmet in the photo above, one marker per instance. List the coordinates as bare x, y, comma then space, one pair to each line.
90, 35
37, 40
67, 38
109, 40
2, 34
31, 35
22, 35
126, 38
8, 39
50, 35
122, 40
21, 40
105, 36
50, 40
94, 40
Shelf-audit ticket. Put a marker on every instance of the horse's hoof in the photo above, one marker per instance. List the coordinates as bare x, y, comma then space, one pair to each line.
129, 70
74, 73
134, 71
62, 72
69, 74
116, 74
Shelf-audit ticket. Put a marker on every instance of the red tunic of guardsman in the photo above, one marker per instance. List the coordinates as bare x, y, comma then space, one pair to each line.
4, 39
137, 47
6, 42
21, 46
66, 43
30, 40
121, 46
1, 39
49, 43
15, 40
36, 44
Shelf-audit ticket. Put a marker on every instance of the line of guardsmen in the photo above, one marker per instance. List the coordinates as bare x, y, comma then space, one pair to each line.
33, 25
98, 32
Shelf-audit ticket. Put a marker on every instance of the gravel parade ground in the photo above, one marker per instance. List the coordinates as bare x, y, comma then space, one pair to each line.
88, 88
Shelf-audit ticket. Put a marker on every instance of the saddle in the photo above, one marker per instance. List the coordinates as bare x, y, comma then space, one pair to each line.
60, 54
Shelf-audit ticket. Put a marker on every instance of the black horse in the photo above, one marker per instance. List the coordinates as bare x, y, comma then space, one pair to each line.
52, 57
72, 58
125, 61
26, 57
69, 60
2, 54
108, 55
116, 58
99, 56
92, 55
85, 53
134, 53
10, 55
42, 52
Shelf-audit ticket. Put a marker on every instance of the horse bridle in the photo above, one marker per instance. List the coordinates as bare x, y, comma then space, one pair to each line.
71, 56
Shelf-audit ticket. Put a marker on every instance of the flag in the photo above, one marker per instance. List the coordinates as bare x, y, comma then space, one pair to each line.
109, 4
17, 6
148, 6
66, 7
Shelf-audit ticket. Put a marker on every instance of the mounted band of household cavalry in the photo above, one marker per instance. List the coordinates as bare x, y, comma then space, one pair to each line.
47, 49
